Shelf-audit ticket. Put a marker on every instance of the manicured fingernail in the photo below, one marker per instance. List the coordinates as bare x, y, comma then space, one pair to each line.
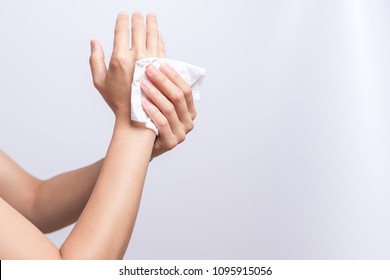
146, 84
152, 70
122, 14
165, 67
137, 13
151, 14
92, 45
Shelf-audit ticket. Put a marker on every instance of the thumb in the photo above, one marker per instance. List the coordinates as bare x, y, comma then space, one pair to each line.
98, 66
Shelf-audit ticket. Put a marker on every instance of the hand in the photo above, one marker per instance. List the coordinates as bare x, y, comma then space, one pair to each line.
173, 118
171, 106
114, 84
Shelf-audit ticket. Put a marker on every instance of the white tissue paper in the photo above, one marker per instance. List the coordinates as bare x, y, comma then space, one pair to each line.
193, 75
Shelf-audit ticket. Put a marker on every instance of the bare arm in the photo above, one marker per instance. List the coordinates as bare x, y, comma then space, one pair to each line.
105, 225
57, 202
49, 204
113, 206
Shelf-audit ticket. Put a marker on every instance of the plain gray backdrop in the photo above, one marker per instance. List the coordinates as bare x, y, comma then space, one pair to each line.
290, 155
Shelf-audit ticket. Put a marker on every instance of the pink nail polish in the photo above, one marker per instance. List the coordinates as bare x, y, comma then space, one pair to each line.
165, 67
152, 70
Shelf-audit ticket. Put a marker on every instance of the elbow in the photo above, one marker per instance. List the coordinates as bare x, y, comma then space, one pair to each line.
34, 214
32, 198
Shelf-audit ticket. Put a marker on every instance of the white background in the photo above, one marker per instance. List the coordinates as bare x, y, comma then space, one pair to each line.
290, 156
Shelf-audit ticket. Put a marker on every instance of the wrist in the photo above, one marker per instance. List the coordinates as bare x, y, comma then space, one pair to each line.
126, 128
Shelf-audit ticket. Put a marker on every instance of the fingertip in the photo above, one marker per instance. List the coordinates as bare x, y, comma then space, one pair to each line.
165, 68
122, 14
151, 70
137, 13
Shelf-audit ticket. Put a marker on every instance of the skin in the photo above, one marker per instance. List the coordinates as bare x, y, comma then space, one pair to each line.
103, 197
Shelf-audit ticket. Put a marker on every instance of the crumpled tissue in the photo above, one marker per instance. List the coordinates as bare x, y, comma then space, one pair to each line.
193, 75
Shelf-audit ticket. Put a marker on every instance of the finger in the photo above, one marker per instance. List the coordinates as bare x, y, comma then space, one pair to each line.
170, 90
152, 36
164, 105
164, 130
175, 78
98, 66
138, 35
161, 46
121, 37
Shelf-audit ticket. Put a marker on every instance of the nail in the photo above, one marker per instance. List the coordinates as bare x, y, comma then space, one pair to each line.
151, 70
122, 14
146, 84
92, 45
151, 14
165, 68
137, 13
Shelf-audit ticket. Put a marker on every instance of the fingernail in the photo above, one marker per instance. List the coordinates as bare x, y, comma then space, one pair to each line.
137, 13
165, 67
146, 84
151, 70
92, 45
151, 14
122, 14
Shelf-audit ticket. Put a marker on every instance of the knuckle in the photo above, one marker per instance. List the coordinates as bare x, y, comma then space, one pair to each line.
171, 144
118, 61
193, 115
169, 109
163, 123
97, 84
177, 96
181, 137
187, 90
190, 126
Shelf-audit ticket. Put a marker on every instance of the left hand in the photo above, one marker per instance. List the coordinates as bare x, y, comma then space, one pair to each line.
114, 83
171, 108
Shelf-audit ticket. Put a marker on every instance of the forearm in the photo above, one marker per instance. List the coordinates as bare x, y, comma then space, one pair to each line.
105, 226
59, 201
